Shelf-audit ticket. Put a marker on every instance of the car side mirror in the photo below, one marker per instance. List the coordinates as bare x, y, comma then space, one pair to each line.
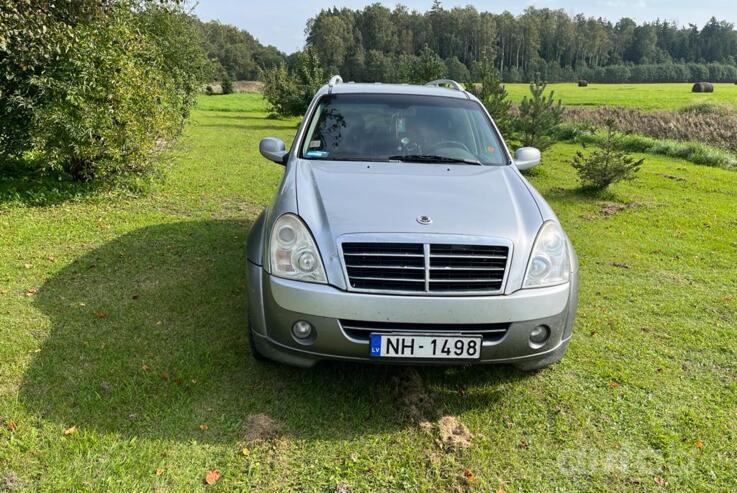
526, 158
273, 149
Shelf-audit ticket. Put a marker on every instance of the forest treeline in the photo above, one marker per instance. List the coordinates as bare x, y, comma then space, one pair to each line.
378, 44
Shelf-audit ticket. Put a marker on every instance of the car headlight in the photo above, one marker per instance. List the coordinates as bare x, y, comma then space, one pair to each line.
294, 254
549, 263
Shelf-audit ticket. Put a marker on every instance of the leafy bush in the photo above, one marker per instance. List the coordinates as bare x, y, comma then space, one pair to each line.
209, 91
539, 117
289, 94
109, 86
605, 165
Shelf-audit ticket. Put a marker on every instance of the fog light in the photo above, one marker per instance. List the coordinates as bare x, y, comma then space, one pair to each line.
301, 329
539, 334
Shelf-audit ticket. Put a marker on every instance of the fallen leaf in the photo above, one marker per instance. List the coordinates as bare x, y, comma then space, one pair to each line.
660, 481
468, 474
204, 427
70, 431
698, 444
500, 489
101, 314
27, 266
31, 291
51, 259
194, 381
11, 425
614, 385
212, 476
145, 367
164, 375
246, 451
159, 472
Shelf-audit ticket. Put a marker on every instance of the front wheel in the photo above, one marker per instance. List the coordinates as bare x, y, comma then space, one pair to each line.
547, 360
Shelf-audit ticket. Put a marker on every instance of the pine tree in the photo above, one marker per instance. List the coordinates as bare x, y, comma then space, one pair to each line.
607, 164
539, 117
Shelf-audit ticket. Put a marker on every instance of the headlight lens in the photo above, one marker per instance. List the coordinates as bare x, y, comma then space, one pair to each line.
294, 254
549, 263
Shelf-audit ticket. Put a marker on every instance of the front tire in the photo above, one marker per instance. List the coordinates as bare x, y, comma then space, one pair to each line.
544, 362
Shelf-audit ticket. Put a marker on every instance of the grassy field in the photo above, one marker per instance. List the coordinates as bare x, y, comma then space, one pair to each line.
643, 96
124, 362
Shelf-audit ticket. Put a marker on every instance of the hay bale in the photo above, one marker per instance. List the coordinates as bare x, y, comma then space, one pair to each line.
583, 83
703, 87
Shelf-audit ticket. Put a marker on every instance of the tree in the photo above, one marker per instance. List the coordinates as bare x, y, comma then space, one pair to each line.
493, 95
289, 93
429, 66
539, 117
606, 165
227, 84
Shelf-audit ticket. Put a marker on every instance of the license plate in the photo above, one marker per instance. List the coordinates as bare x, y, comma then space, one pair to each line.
425, 346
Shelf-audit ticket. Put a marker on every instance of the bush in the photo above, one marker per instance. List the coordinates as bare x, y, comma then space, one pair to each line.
110, 84
289, 94
209, 91
539, 117
227, 84
606, 165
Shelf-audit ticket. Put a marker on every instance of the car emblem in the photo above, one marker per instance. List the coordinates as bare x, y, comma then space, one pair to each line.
424, 219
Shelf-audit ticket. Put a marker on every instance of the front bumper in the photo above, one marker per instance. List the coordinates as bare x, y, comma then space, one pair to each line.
276, 303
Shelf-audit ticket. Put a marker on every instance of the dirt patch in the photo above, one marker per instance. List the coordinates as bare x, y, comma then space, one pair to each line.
410, 395
343, 488
11, 482
609, 209
453, 433
261, 427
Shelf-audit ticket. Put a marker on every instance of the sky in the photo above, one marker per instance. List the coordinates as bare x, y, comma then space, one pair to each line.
282, 22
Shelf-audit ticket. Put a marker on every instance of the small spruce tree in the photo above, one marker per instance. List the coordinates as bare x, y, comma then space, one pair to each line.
539, 117
227, 84
493, 95
607, 164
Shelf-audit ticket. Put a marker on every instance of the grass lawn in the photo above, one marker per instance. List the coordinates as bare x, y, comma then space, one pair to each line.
124, 362
643, 96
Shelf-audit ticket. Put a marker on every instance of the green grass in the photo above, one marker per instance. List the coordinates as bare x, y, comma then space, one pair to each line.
644, 96
131, 290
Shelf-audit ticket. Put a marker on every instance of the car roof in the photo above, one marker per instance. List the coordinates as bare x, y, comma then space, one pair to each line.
379, 88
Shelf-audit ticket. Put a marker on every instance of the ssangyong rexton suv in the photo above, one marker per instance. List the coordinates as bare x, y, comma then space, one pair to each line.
403, 231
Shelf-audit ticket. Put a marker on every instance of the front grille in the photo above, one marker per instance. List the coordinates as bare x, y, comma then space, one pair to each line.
360, 330
425, 267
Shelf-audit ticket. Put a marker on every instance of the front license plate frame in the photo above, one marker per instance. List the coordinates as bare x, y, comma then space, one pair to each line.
424, 346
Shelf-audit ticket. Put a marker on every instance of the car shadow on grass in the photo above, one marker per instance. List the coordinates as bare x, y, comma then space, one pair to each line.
148, 339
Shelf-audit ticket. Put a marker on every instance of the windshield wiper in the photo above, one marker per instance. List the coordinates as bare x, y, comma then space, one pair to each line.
430, 158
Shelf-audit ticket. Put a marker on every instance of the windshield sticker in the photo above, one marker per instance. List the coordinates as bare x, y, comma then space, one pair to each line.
315, 143
317, 154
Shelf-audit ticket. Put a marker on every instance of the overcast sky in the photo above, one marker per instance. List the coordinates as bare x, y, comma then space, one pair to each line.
282, 22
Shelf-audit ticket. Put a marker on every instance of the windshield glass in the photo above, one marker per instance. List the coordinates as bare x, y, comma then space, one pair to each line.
382, 127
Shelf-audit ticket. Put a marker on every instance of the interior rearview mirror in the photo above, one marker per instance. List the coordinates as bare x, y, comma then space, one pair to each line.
526, 158
273, 149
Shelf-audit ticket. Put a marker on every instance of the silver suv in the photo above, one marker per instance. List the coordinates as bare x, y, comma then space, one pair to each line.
403, 231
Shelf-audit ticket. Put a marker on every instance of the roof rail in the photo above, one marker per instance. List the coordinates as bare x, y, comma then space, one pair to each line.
442, 82
336, 79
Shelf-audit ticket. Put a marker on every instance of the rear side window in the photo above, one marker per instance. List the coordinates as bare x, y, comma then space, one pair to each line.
374, 127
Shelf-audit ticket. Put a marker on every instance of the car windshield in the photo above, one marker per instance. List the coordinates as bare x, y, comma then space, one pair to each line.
411, 128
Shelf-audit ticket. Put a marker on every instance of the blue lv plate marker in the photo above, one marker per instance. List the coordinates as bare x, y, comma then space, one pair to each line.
375, 345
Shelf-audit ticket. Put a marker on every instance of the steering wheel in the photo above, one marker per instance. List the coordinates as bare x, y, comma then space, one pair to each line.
449, 143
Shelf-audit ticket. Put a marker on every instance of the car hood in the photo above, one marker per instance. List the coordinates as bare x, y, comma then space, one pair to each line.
350, 197
337, 198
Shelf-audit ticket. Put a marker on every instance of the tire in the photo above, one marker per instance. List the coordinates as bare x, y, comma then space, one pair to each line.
547, 360
255, 353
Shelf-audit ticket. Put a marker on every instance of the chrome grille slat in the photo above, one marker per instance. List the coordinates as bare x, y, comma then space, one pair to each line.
425, 267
